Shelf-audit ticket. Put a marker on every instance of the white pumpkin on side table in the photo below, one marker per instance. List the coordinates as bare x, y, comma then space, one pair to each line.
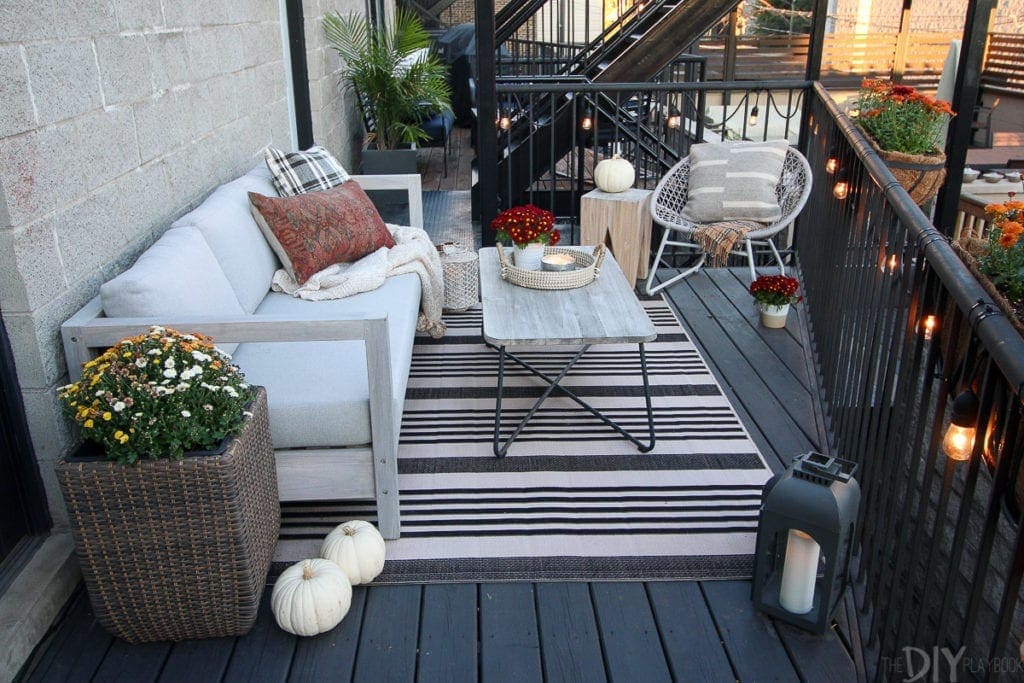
311, 597
614, 175
358, 548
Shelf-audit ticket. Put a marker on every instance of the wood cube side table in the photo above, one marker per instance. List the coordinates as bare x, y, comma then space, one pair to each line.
622, 221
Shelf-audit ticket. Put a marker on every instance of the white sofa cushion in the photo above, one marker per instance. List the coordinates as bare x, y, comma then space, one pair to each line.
317, 391
226, 222
177, 277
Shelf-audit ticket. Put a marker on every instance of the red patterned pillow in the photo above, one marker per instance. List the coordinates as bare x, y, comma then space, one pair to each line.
311, 231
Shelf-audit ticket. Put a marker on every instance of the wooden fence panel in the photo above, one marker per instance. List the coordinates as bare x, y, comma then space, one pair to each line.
847, 57
1004, 65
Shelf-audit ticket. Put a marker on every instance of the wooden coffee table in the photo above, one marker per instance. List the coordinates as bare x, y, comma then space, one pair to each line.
604, 312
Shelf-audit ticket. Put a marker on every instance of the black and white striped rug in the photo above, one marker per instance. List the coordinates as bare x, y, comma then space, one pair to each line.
572, 500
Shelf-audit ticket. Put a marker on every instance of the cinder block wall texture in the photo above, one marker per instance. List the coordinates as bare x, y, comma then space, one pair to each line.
116, 118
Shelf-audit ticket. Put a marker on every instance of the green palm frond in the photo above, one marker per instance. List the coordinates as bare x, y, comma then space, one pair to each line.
378, 64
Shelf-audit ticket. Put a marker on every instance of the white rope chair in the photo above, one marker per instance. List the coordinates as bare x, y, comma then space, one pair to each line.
670, 197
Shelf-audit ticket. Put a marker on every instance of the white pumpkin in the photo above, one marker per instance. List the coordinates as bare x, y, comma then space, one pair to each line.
311, 597
358, 548
614, 175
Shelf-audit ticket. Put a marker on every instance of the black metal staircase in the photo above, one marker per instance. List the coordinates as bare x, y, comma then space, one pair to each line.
639, 46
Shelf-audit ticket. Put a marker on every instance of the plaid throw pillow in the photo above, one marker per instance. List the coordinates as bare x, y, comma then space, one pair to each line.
300, 172
735, 181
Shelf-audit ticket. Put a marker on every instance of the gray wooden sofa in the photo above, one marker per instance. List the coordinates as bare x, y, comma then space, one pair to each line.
335, 371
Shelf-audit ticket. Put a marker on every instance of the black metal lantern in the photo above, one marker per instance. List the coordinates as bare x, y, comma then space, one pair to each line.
804, 540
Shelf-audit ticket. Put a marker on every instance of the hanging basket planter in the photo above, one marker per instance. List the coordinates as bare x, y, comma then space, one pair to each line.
921, 175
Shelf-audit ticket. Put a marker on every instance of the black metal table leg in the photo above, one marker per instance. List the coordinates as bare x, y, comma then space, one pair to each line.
555, 383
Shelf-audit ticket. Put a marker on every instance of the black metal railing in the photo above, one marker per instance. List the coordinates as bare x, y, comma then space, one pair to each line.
560, 128
900, 329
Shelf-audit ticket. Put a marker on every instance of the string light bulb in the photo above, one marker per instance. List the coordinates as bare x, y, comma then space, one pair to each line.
832, 163
674, 120
755, 112
929, 324
841, 189
958, 443
505, 122
587, 122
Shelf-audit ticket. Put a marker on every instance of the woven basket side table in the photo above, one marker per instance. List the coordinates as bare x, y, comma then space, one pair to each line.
461, 267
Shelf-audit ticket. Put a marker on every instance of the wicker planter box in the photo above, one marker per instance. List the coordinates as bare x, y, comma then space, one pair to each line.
177, 549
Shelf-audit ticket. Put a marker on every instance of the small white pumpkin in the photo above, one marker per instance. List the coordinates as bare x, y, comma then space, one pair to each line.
311, 597
614, 175
358, 548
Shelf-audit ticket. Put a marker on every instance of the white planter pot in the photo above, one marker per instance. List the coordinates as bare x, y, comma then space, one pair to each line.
774, 316
528, 257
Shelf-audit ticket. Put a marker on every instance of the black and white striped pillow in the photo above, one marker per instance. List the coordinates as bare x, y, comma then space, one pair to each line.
731, 181
308, 171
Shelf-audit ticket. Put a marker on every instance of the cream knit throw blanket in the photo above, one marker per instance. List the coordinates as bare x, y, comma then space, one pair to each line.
413, 253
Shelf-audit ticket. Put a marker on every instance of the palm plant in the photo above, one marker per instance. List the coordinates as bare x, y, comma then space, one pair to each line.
399, 82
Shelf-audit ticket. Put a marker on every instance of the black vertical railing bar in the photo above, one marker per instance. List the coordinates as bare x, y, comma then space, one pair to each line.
824, 282
888, 410
876, 341
1001, 483
934, 559
1016, 569
552, 161
897, 320
842, 381
1011, 591
890, 447
865, 282
988, 393
865, 298
487, 100
581, 157
907, 551
904, 521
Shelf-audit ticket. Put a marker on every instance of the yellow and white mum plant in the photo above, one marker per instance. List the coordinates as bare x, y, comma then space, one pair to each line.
158, 395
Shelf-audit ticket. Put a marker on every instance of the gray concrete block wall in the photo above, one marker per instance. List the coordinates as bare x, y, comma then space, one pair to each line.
116, 118
337, 123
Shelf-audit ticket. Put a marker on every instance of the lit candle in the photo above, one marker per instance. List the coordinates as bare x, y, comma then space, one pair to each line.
799, 573
557, 262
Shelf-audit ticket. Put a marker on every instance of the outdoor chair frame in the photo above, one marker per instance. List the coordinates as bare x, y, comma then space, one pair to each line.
669, 199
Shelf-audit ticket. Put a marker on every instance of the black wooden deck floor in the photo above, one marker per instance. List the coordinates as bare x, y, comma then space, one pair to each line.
634, 631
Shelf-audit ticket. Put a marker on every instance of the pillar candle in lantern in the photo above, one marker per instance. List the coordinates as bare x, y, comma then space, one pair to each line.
799, 573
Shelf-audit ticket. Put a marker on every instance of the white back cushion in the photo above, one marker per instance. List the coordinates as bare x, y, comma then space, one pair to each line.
225, 220
735, 181
177, 277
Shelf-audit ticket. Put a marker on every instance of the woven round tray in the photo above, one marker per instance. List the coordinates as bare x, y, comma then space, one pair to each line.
588, 269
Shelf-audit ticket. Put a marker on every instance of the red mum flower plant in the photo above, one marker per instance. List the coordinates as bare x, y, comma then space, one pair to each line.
524, 225
775, 290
